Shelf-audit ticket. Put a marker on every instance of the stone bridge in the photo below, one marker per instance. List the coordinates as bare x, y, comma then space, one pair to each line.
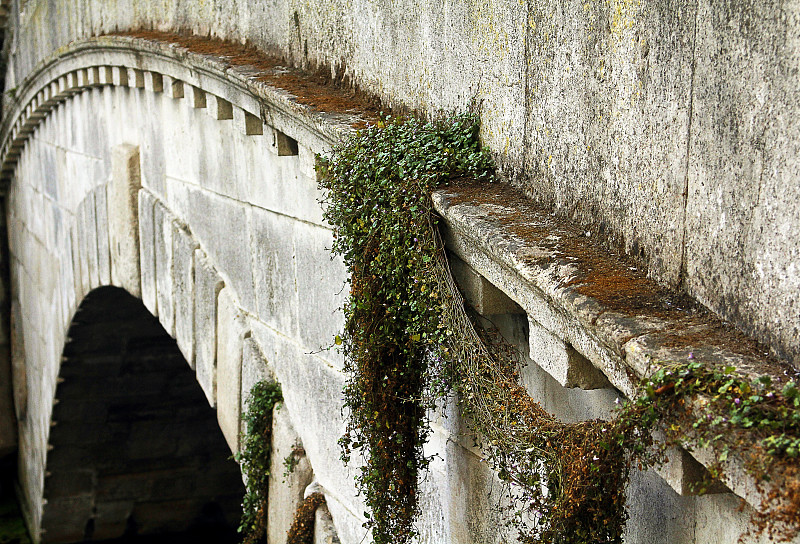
166, 251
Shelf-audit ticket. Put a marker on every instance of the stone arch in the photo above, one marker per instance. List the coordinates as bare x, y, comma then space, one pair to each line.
73, 234
134, 447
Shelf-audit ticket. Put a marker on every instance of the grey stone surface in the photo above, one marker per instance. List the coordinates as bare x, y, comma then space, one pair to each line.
219, 108
275, 270
561, 361
208, 284
247, 123
103, 242
211, 215
321, 288
286, 488
88, 235
147, 249
123, 218
230, 333
183, 279
162, 243
742, 249
253, 213
595, 108
484, 297
324, 529
255, 367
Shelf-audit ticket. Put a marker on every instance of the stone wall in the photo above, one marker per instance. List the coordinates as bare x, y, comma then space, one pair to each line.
664, 127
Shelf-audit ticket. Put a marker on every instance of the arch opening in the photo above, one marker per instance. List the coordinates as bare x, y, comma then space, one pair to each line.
134, 448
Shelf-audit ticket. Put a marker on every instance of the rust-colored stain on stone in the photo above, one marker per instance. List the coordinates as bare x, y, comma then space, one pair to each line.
618, 285
317, 90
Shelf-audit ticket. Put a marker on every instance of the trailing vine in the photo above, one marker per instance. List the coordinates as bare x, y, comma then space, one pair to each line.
255, 459
378, 186
302, 528
409, 339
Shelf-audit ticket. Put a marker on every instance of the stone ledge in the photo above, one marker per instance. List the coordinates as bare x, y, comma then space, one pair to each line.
553, 270
595, 303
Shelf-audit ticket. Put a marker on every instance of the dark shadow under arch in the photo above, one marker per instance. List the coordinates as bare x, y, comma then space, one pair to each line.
135, 448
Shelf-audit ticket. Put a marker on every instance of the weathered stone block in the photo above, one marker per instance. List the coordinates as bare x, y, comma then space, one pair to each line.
153, 82
162, 221
481, 294
285, 145
183, 247
221, 227
292, 187
324, 529
219, 108
562, 361
103, 242
147, 255
321, 288
88, 233
173, 87
119, 75
230, 333
106, 75
196, 96
123, 218
685, 475
274, 270
285, 490
135, 78
255, 367
208, 284
93, 76
247, 123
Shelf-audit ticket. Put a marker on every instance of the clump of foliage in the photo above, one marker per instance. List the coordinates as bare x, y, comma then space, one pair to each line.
302, 529
752, 422
255, 459
409, 338
378, 186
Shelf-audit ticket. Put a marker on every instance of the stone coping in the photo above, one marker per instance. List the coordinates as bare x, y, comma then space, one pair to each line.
572, 289
604, 307
161, 66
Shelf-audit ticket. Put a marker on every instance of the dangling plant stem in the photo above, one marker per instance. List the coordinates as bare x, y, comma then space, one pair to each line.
255, 459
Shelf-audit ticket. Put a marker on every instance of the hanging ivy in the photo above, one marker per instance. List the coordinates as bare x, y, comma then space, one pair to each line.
255, 459
378, 186
408, 339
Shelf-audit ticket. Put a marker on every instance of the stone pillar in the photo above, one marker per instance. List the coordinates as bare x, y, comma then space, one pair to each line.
123, 218
8, 424
286, 487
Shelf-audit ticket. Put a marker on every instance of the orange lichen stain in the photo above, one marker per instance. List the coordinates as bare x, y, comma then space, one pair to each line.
609, 279
616, 283
317, 89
